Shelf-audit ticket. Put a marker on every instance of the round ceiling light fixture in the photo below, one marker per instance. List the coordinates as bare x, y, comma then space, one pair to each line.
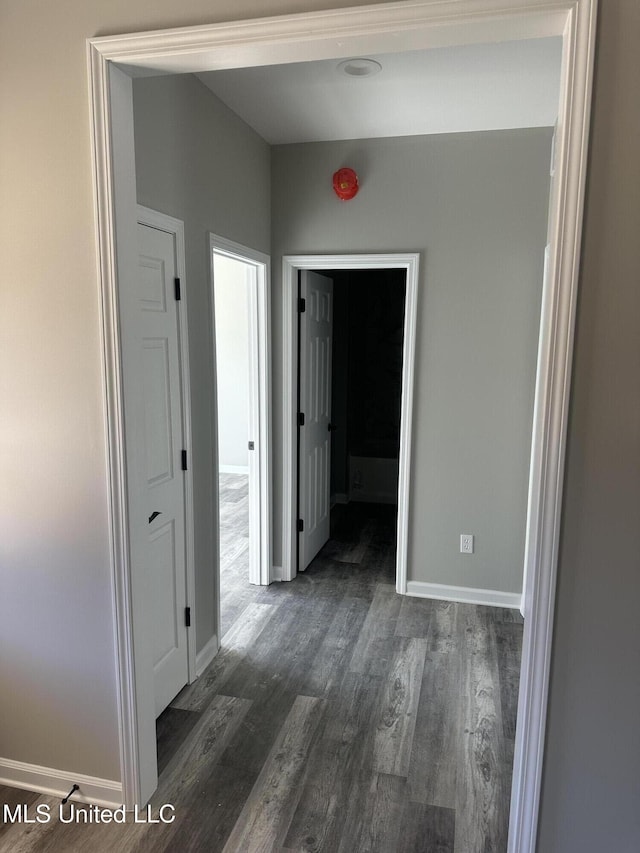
359, 67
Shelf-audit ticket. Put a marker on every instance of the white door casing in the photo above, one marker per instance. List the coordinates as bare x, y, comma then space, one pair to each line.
292, 266
316, 336
326, 34
164, 447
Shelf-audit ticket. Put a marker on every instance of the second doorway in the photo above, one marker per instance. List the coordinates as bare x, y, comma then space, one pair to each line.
350, 383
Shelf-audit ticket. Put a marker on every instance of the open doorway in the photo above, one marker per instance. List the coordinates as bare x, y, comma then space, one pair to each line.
233, 280
380, 451
240, 314
111, 120
357, 450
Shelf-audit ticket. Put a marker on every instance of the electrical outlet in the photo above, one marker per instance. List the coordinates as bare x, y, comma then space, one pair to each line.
466, 543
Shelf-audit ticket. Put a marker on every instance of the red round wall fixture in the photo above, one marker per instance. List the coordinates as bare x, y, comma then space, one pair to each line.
345, 184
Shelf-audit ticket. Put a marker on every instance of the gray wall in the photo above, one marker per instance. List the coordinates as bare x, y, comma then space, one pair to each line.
232, 361
196, 160
475, 206
56, 628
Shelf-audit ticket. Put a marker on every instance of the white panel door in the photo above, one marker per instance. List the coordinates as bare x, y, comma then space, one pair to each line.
166, 563
316, 333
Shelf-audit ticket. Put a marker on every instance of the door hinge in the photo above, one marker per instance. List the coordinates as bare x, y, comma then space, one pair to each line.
300, 525
176, 288
302, 305
300, 418
187, 617
252, 445
183, 460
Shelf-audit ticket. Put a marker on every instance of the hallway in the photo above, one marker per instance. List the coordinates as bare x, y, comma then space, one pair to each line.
338, 716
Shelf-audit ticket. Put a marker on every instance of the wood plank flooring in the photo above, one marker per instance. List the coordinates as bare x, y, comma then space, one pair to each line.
338, 716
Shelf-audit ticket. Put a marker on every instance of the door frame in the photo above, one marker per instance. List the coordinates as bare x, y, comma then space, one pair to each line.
259, 316
291, 265
337, 33
175, 227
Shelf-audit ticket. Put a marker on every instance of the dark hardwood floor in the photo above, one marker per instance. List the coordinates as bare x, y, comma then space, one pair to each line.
235, 590
338, 716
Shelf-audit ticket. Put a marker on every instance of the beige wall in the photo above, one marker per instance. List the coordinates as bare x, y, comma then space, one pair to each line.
58, 705
475, 206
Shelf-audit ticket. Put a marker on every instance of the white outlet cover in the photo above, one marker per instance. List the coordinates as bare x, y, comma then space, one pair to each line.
466, 543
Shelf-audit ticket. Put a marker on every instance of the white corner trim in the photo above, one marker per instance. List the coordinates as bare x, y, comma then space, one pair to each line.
206, 655
233, 469
58, 783
111, 103
464, 594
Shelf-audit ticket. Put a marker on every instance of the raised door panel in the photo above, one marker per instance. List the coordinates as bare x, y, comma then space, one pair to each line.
315, 397
166, 558
157, 410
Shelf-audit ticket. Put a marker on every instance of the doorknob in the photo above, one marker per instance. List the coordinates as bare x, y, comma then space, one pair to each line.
154, 515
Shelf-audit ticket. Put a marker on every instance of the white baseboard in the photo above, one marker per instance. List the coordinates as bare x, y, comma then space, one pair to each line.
464, 594
206, 655
233, 469
58, 783
339, 498
276, 573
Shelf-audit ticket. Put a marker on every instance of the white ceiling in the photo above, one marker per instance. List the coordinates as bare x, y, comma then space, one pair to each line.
443, 90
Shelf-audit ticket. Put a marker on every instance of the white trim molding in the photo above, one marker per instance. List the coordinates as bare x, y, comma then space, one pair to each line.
111, 106
291, 264
206, 655
551, 407
464, 594
58, 783
339, 33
